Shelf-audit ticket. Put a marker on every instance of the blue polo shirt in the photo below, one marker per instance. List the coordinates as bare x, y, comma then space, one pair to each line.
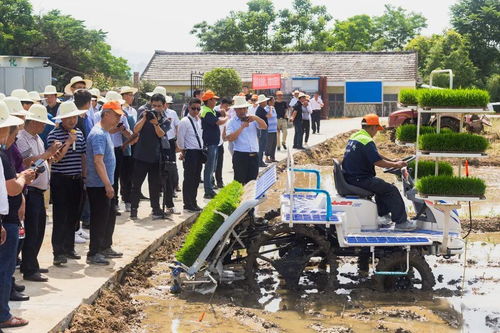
247, 141
360, 156
99, 143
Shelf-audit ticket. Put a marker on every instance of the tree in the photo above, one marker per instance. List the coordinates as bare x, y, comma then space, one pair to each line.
396, 27
422, 45
257, 24
479, 20
303, 28
450, 51
354, 34
493, 87
223, 81
17, 27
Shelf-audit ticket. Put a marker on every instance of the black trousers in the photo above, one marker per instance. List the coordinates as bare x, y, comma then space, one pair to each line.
172, 156
192, 176
102, 220
118, 172
306, 127
315, 117
245, 166
126, 178
387, 197
152, 170
67, 195
297, 136
34, 224
271, 144
167, 176
220, 164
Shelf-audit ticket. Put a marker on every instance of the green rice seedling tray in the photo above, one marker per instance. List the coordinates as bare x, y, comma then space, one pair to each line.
451, 186
453, 98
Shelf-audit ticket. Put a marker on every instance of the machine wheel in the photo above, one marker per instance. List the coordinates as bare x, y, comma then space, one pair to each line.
283, 253
397, 262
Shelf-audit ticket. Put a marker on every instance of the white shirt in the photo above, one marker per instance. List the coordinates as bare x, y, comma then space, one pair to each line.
131, 112
30, 146
293, 101
4, 200
252, 109
174, 122
186, 137
316, 104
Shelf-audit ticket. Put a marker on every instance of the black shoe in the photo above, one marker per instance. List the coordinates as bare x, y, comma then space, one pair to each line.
16, 296
220, 185
43, 270
209, 195
18, 287
36, 277
110, 253
160, 215
73, 255
192, 209
143, 197
284, 146
262, 165
133, 214
97, 259
60, 259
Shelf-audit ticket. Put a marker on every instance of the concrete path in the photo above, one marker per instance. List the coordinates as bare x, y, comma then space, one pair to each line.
77, 282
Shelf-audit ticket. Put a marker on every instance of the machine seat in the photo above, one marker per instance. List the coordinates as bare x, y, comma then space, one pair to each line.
345, 189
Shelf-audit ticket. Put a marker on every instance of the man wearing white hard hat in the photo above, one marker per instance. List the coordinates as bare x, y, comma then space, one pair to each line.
66, 186
11, 186
33, 151
77, 82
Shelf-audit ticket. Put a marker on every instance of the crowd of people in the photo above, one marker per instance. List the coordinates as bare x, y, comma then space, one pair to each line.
87, 153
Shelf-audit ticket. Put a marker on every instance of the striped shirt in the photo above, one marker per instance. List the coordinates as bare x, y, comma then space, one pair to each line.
71, 164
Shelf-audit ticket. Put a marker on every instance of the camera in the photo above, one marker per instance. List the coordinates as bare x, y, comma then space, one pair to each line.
150, 114
38, 166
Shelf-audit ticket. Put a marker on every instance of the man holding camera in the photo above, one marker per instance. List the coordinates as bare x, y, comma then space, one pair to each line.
150, 154
32, 149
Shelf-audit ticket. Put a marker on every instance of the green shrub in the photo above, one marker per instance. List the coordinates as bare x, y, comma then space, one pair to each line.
408, 96
451, 186
453, 98
453, 142
428, 168
408, 132
226, 201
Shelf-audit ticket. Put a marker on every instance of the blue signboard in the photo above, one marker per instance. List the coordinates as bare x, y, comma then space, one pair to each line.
364, 92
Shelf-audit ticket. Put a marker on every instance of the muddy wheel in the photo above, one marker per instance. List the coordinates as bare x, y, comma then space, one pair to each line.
283, 254
419, 276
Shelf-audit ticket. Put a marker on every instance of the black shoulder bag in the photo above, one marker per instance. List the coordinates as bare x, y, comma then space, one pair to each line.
204, 152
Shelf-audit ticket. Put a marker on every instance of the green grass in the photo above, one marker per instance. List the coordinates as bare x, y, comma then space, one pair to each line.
226, 201
451, 186
453, 98
408, 132
408, 96
428, 168
453, 142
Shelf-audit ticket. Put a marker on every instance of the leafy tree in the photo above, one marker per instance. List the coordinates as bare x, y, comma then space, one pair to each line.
493, 86
353, 34
257, 24
303, 27
479, 20
224, 35
17, 27
451, 50
396, 27
223, 81
422, 45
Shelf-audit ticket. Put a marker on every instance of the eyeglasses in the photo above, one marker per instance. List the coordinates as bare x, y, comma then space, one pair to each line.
195, 108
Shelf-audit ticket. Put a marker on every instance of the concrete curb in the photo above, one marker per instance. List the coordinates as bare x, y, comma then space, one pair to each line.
118, 276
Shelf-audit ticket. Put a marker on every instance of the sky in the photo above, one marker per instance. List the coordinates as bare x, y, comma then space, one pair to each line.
137, 28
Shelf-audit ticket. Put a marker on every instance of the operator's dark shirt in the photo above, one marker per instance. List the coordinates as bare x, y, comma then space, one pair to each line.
360, 157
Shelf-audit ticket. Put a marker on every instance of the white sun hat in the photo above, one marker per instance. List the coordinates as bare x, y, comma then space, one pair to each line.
7, 120
38, 112
240, 102
15, 106
76, 79
262, 98
35, 95
169, 99
158, 90
114, 96
22, 94
2, 97
51, 90
127, 89
68, 109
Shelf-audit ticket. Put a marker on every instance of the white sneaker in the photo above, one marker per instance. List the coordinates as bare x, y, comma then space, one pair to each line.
83, 234
409, 225
128, 206
79, 239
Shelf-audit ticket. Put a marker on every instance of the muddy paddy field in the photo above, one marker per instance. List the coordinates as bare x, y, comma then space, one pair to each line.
464, 299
